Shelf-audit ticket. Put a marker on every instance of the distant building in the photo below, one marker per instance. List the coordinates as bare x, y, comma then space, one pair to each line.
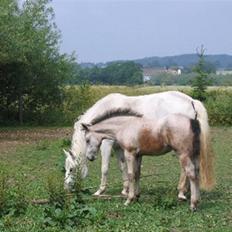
178, 71
223, 72
146, 79
149, 72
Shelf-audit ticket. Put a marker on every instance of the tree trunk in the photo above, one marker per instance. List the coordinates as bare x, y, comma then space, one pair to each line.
20, 109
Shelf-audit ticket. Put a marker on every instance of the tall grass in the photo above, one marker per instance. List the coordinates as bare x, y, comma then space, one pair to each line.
80, 98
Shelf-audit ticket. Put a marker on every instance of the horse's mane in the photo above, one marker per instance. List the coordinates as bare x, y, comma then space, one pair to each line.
115, 113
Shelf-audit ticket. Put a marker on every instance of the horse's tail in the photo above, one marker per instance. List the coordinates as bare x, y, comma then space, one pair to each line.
206, 153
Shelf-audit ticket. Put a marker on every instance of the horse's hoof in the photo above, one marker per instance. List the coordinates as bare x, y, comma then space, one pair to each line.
182, 197
98, 193
124, 193
127, 202
193, 208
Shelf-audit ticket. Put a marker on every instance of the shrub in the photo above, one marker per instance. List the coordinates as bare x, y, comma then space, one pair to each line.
219, 107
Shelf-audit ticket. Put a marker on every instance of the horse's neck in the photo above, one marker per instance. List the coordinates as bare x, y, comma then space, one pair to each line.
112, 126
109, 102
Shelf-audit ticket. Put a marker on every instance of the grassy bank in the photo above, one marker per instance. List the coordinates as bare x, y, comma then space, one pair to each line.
31, 164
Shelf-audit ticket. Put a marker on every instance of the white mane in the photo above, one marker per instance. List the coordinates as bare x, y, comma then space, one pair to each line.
78, 145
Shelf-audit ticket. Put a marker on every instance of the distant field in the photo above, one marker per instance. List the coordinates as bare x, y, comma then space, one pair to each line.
31, 159
140, 89
80, 98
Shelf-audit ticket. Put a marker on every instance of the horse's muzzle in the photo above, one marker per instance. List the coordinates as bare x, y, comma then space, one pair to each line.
91, 159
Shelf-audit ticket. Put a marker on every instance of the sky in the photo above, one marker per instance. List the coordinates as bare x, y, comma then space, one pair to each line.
107, 30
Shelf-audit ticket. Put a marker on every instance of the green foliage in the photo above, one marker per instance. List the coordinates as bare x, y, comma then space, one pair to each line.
3, 193
200, 82
13, 200
55, 191
219, 107
77, 100
66, 211
115, 73
31, 69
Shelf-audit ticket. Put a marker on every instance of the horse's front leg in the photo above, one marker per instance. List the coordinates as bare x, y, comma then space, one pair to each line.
105, 154
123, 168
131, 162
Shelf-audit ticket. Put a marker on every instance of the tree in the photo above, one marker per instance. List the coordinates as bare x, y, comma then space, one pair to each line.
200, 82
32, 70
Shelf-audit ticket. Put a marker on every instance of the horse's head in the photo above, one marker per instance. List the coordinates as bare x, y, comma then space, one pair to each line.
72, 166
93, 142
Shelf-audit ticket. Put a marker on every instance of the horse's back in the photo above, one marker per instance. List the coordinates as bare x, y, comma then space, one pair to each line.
151, 105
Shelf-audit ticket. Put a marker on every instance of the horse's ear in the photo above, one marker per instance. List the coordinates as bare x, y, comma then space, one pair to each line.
85, 126
71, 154
66, 153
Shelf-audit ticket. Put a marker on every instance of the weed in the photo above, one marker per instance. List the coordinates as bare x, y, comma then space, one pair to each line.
42, 145
12, 198
55, 191
66, 143
66, 210
3, 193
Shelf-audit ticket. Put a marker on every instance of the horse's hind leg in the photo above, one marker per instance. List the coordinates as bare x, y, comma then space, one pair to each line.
137, 175
105, 154
191, 168
123, 168
183, 185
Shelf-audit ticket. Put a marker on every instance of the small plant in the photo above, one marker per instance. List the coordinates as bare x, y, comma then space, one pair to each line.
66, 210
66, 143
12, 199
2, 193
166, 198
17, 199
56, 192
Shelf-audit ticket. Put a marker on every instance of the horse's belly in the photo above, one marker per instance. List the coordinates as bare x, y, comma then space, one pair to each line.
155, 150
150, 144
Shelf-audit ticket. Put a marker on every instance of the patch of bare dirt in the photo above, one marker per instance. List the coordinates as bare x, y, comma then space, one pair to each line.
11, 139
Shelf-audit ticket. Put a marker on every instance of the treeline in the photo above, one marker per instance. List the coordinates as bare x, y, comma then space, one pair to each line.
115, 73
188, 78
186, 61
32, 70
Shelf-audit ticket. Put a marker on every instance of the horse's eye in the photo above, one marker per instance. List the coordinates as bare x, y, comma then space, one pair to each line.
71, 170
87, 141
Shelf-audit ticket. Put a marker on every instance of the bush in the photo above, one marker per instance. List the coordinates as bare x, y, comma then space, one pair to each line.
219, 108
76, 101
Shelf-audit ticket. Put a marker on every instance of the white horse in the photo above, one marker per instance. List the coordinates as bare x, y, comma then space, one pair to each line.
137, 136
153, 106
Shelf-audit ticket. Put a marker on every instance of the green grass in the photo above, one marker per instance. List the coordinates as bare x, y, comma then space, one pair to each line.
157, 210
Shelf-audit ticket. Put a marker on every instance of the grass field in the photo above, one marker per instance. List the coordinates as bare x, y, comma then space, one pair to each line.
30, 156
